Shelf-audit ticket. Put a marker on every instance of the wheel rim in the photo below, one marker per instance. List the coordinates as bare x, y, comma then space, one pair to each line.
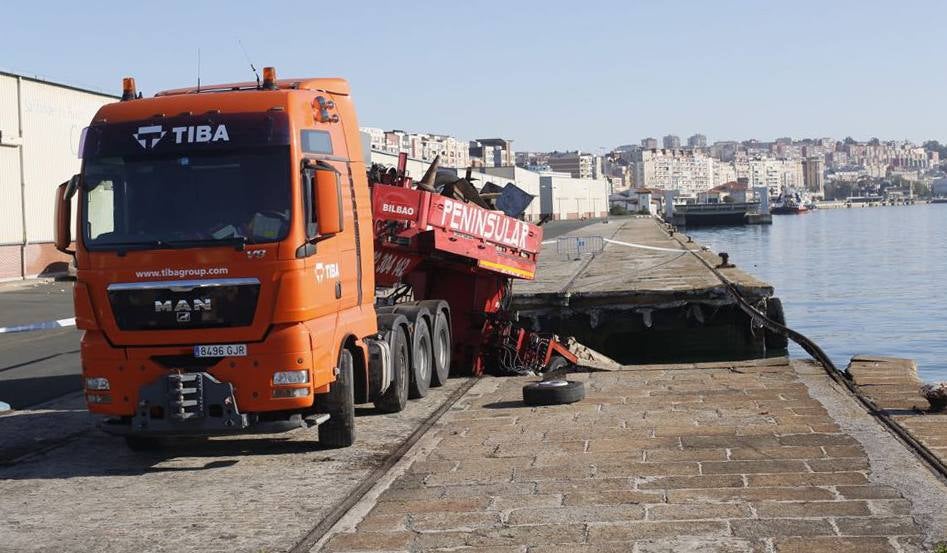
421, 359
403, 360
441, 350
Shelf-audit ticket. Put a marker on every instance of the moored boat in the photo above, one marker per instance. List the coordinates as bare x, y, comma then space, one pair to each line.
789, 202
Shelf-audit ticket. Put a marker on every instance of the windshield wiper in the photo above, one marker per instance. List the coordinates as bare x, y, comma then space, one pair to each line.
238, 242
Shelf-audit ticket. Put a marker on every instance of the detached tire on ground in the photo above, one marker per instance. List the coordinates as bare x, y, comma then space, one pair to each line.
553, 392
396, 396
774, 311
339, 403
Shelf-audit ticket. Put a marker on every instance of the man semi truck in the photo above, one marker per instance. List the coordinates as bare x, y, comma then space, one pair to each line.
227, 246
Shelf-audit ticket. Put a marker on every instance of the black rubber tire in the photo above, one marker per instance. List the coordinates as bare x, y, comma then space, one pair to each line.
774, 311
441, 347
421, 359
547, 393
339, 403
396, 396
143, 443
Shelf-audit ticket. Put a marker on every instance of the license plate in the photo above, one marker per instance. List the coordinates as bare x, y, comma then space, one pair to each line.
221, 350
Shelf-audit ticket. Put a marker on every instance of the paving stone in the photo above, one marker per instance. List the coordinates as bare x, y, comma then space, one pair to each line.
613, 470
505, 536
816, 439
576, 514
510, 502
833, 545
631, 531
838, 465
877, 526
775, 453
807, 479
665, 455
773, 527
868, 492
463, 505
751, 467
691, 511
678, 482
811, 509
617, 497
452, 521
370, 541
801, 493
584, 485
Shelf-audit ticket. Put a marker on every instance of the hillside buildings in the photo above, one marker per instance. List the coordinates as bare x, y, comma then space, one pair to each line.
697, 141
454, 152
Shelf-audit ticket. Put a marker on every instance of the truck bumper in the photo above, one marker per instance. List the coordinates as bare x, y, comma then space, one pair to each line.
192, 404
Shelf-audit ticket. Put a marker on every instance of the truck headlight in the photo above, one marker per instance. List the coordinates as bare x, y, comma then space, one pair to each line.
97, 383
290, 377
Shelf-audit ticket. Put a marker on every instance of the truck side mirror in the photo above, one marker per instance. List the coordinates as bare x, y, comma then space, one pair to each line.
63, 214
327, 200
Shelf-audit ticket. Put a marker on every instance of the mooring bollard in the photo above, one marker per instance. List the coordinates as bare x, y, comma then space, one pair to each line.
725, 261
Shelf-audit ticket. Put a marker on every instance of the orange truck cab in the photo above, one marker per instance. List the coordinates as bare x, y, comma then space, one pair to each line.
228, 241
223, 248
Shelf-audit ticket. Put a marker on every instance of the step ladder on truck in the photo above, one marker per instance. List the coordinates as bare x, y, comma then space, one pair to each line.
228, 244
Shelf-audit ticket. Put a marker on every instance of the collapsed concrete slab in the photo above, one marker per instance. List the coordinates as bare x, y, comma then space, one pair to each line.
643, 296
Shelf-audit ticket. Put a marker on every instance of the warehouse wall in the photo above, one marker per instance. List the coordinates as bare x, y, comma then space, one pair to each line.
40, 127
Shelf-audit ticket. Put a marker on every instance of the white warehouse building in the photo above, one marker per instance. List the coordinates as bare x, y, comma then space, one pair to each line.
40, 126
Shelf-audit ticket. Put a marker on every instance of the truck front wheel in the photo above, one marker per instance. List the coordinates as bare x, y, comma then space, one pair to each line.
339, 403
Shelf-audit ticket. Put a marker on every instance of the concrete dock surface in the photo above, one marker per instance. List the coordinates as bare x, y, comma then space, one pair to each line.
758, 456
627, 273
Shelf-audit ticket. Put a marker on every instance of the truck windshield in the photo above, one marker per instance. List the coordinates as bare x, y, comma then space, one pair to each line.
208, 198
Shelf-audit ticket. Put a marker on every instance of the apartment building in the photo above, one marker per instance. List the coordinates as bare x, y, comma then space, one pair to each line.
687, 171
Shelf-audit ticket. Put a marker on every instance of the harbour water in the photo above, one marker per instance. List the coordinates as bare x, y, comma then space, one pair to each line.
864, 280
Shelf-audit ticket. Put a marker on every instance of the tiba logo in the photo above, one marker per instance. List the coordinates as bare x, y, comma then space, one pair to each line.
149, 136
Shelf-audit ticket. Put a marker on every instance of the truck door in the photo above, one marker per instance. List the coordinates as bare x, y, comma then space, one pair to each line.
350, 274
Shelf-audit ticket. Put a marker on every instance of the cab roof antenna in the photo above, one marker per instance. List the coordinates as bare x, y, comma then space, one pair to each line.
198, 70
257, 75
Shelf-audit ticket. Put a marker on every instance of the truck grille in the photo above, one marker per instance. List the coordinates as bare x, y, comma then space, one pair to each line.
179, 305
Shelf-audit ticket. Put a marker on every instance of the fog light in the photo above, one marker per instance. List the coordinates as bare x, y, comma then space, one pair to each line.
290, 392
290, 377
98, 398
97, 383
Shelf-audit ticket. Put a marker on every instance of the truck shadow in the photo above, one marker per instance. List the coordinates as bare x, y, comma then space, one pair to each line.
66, 443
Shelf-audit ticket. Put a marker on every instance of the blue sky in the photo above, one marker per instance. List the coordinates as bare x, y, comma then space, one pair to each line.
548, 74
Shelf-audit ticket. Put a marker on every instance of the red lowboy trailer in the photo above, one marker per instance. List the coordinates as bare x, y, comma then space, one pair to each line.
456, 251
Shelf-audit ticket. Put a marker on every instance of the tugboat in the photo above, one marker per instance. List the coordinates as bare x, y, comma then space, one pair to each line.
789, 202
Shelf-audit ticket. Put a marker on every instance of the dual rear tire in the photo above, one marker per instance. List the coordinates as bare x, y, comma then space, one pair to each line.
395, 397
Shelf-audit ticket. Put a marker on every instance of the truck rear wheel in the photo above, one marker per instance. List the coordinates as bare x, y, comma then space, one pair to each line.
339, 403
440, 340
396, 396
421, 360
